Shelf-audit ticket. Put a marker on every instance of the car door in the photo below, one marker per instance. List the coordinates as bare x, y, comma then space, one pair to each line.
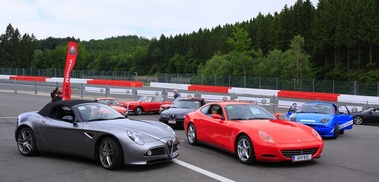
214, 128
344, 118
372, 116
155, 105
291, 110
61, 135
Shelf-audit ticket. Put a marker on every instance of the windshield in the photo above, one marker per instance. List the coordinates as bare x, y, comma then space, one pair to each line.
247, 112
188, 104
316, 108
97, 112
145, 99
109, 101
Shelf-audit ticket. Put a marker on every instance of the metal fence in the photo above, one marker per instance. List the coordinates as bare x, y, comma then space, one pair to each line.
311, 85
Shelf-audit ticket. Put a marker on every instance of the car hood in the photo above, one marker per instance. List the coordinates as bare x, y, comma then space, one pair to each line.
153, 129
311, 117
281, 131
177, 111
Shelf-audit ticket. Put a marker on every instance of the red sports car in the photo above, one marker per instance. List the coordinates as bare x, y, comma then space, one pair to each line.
114, 104
146, 104
252, 133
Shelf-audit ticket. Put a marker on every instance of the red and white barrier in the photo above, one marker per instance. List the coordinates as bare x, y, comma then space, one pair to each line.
208, 88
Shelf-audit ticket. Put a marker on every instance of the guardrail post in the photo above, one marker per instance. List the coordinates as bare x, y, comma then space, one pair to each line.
234, 96
81, 90
134, 93
197, 94
35, 87
15, 86
107, 91
164, 93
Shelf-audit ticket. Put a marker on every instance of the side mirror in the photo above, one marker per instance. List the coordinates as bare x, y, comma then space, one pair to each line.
216, 116
68, 118
277, 115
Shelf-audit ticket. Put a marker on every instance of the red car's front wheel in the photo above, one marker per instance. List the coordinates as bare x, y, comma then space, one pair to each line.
245, 150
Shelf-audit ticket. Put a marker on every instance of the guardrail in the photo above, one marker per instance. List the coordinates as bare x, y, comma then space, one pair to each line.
261, 96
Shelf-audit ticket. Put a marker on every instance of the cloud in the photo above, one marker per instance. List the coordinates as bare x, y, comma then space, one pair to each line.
99, 19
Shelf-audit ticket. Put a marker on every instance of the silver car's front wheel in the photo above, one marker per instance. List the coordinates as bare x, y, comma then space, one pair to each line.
191, 135
245, 150
26, 142
110, 154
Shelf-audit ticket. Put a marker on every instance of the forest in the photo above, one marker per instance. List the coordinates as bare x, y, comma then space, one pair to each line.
336, 40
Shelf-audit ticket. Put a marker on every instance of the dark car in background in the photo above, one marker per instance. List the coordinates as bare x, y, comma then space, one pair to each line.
367, 116
180, 107
146, 104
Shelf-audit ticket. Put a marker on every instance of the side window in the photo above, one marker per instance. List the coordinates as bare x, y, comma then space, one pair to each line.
215, 109
159, 99
58, 112
205, 110
343, 110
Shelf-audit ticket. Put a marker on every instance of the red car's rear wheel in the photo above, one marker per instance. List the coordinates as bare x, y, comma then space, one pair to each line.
192, 135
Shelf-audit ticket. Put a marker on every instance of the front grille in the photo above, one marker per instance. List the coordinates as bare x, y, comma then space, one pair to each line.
290, 153
157, 151
172, 116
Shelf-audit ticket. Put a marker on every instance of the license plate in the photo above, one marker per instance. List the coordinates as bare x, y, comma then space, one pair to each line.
296, 158
171, 121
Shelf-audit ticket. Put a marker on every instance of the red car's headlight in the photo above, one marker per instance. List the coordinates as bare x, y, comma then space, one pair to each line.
264, 136
315, 133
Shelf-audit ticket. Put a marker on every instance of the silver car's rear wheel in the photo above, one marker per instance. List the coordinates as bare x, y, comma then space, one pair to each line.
358, 120
110, 154
191, 135
26, 142
245, 150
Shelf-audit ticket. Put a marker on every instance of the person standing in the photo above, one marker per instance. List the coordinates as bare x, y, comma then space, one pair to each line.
56, 94
176, 94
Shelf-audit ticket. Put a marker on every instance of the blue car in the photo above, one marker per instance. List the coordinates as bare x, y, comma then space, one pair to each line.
326, 118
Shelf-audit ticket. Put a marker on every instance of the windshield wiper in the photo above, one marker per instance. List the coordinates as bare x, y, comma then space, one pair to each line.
98, 119
119, 117
238, 119
259, 118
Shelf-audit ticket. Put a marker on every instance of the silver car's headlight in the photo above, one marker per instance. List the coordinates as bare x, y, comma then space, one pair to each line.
135, 137
171, 130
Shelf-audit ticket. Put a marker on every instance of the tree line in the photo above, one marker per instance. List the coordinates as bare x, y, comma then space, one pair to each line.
336, 40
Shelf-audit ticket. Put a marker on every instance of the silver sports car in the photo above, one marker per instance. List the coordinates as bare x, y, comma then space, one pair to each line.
96, 131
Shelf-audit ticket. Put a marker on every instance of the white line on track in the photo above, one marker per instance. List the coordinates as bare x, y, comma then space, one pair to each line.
202, 171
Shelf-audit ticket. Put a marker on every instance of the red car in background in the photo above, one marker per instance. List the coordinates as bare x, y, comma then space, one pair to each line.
252, 133
114, 104
146, 104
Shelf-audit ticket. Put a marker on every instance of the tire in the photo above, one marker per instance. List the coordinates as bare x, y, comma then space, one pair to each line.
26, 142
341, 132
110, 154
191, 134
138, 110
358, 120
245, 150
336, 131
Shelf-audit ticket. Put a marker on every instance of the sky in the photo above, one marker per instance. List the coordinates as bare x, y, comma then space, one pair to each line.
100, 19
